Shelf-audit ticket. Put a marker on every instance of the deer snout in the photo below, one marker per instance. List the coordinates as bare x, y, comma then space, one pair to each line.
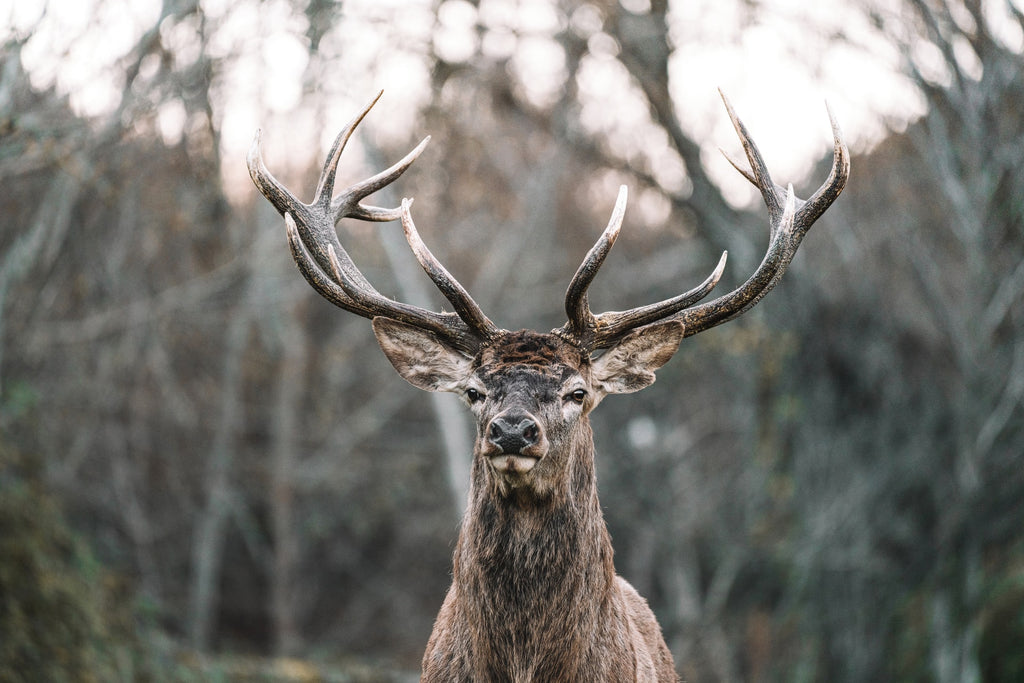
513, 432
514, 441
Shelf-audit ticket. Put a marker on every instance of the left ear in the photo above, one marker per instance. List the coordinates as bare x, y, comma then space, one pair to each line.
629, 365
424, 360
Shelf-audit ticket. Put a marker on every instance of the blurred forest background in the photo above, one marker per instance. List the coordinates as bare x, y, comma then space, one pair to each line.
209, 473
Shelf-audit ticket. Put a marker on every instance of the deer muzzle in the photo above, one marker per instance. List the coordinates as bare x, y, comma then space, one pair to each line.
514, 442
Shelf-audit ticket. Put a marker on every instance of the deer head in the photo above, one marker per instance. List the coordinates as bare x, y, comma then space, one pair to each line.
527, 389
530, 392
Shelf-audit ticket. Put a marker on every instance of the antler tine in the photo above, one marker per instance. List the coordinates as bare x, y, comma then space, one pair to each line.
468, 310
314, 223
789, 217
781, 249
447, 326
316, 277
807, 211
614, 325
347, 204
326, 265
760, 178
582, 322
325, 185
837, 177
269, 186
590, 331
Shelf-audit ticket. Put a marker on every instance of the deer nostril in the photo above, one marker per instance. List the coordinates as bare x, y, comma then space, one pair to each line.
495, 431
530, 433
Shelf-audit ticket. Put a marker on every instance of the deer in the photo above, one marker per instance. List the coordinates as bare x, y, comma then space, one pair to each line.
534, 593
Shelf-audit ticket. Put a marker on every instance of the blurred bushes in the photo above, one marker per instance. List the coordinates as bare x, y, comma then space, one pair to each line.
54, 624
1001, 646
66, 618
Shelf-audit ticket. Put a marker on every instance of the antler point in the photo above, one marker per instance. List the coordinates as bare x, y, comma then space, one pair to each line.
418, 150
618, 213
832, 119
716, 274
728, 108
253, 155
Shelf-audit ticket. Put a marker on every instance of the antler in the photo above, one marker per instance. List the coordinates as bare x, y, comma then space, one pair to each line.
327, 266
790, 218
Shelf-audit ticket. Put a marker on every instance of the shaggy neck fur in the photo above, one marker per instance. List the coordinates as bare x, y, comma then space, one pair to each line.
534, 574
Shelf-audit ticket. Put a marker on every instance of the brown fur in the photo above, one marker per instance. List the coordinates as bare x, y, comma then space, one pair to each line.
534, 595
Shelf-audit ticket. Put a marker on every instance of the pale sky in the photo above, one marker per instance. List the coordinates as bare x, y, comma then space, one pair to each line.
778, 71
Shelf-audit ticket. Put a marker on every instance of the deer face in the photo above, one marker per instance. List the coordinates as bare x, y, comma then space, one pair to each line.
530, 392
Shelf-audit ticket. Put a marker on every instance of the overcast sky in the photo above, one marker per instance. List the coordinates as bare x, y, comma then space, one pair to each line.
777, 66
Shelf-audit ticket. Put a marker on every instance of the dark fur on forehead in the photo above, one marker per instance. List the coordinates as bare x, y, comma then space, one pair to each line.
534, 349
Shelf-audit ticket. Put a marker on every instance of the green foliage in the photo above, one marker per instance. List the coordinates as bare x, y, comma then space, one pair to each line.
63, 616
51, 624
1001, 646
18, 399
908, 642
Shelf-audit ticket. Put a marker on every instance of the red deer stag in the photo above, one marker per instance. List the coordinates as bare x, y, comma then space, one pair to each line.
534, 596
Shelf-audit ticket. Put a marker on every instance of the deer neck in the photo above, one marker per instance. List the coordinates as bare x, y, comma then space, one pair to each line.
531, 567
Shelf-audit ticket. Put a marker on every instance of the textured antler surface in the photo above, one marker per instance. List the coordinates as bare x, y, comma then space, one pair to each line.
789, 218
326, 265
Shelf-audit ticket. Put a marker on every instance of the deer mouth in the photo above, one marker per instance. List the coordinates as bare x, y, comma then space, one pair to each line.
513, 463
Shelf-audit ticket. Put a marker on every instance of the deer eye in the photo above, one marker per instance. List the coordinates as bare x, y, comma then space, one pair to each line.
578, 396
473, 395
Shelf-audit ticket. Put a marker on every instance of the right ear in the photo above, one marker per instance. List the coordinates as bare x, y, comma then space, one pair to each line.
420, 357
629, 365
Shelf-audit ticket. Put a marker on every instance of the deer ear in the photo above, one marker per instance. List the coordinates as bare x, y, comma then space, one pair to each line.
629, 365
420, 357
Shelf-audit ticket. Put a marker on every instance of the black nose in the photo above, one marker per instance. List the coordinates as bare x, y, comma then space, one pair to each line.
512, 432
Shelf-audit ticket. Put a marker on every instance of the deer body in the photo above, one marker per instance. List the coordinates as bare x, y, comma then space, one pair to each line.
535, 598
534, 595
608, 634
